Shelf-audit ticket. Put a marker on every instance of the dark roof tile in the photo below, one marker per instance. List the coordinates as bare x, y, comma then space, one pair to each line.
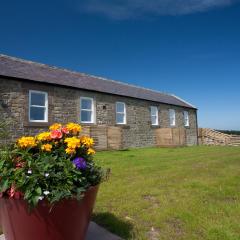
22, 69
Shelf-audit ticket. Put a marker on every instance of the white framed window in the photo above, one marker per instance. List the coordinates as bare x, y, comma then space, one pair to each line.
186, 118
154, 115
121, 113
86, 110
38, 106
172, 117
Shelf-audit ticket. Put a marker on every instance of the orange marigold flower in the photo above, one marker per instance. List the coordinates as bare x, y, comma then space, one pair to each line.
55, 126
74, 128
26, 142
72, 142
91, 151
46, 147
87, 141
70, 150
45, 136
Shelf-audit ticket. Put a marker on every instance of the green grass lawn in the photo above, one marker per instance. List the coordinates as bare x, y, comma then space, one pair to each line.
179, 193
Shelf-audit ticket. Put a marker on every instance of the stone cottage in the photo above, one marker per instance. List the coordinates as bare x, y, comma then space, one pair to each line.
117, 115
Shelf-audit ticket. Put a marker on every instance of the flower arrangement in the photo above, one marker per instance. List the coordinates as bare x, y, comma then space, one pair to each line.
50, 166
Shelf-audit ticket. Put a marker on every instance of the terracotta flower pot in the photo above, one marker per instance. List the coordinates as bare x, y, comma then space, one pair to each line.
68, 220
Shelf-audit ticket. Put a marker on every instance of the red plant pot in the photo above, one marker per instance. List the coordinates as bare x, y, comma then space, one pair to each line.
67, 220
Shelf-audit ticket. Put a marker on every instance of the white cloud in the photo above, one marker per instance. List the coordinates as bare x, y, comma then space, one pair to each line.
124, 9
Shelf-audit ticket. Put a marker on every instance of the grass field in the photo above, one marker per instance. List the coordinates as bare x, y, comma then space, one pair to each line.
179, 193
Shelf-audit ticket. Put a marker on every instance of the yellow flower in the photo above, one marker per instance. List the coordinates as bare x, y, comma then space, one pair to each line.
46, 147
90, 151
26, 142
70, 150
73, 128
72, 142
45, 136
55, 126
87, 141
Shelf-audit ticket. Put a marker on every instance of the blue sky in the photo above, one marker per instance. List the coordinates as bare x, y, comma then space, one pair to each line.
190, 47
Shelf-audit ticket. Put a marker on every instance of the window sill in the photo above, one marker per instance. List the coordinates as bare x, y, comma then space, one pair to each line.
124, 126
155, 126
37, 124
87, 124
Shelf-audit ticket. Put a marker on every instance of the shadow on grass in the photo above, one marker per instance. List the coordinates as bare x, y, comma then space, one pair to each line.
124, 150
123, 229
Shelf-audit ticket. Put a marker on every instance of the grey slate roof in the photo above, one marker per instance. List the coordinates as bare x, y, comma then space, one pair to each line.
23, 69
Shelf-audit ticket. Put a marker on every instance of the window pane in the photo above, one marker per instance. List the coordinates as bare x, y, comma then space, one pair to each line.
120, 107
86, 116
120, 118
186, 118
86, 104
172, 120
154, 120
154, 111
37, 113
38, 99
172, 117
172, 113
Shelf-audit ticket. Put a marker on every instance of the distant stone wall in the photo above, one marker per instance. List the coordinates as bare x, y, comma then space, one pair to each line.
64, 106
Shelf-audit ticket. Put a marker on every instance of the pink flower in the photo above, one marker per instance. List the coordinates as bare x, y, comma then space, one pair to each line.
65, 130
56, 134
14, 194
11, 192
20, 165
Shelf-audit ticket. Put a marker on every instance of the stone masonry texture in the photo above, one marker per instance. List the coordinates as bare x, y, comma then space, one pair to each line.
64, 106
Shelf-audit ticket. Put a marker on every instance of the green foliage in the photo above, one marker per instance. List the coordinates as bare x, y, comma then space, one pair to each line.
35, 174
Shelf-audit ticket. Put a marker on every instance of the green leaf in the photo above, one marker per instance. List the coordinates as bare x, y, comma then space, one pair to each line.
4, 185
2, 163
35, 200
38, 191
27, 194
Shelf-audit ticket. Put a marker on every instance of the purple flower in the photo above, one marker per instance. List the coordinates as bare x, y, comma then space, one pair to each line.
80, 163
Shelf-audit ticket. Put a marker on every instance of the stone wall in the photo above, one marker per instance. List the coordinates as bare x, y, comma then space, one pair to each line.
64, 106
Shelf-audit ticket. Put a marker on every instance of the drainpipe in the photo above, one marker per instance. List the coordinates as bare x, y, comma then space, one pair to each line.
197, 126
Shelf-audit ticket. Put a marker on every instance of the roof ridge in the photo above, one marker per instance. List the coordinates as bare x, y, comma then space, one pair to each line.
183, 100
84, 74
